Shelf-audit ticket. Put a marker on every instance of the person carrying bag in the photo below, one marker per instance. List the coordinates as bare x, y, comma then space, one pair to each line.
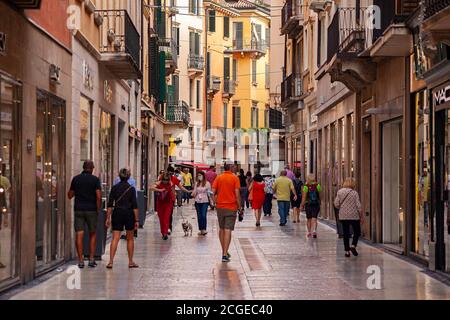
348, 205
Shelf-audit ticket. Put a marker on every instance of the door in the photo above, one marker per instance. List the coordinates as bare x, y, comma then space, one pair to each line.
392, 184
50, 179
10, 103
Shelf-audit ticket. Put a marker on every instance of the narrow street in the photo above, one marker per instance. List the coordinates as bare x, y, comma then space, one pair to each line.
271, 262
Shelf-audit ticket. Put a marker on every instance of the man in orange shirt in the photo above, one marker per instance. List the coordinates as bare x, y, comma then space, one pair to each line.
226, 190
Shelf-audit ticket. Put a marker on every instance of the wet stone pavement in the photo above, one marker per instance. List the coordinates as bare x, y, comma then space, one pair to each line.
270, 262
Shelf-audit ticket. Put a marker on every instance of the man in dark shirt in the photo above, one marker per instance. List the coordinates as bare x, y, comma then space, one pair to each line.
86, 189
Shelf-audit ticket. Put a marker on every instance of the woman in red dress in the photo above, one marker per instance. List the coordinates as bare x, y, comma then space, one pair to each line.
258, 196
165, 201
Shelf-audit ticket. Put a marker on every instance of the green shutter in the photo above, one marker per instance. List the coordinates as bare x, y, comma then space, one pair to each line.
162, 77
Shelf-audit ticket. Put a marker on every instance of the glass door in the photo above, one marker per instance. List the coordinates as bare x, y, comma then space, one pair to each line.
392, 183
106, 154
10, 95
50, 179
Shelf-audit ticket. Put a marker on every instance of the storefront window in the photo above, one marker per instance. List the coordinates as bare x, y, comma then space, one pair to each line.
392, 183
9, 171
423, 196
85, 130
50, 179
106, 154
342, 151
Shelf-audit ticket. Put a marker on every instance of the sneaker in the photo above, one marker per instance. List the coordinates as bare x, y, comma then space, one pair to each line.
81, 264
228, 255
347, 254
309, 235
282, 224
169, 232
354, 252
315, 235
225, 259
165, 237
92, 264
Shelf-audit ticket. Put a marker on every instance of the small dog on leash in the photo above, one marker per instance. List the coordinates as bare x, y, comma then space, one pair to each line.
187, 228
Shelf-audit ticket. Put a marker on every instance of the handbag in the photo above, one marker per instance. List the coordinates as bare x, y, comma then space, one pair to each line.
336, 209
121, 196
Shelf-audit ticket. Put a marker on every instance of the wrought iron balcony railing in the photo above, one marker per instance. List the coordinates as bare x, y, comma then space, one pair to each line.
213, 84
433, 7
119, 36
196, 61
249, 45
169, 46
291, 88
178, 112
291, 14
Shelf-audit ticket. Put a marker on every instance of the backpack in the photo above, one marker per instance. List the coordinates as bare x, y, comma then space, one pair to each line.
313, 194
298, 186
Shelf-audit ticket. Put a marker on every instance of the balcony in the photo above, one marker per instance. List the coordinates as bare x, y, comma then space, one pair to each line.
178, 113
291, 90
348, 37
276, 119
196, 64
213, 85
26, 4
120, 45
292, 18
169, 47
255, 48
319, 5
229, 88
436, 25
393, 38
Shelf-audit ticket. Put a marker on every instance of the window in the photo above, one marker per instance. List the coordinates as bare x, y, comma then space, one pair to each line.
208, 114
267, 37
235, 69
254, 119
238, 31
236, 117
225, 115
191, 85
85, 130
194, 43
267, 74
212, 21
198, 97
190, 132
197, 137
193, 6
319, 43
176, 35
266, 118
226, 27
226, 74
254, 72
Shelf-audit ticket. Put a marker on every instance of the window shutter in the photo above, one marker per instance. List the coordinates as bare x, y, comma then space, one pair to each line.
191, 42
197, 43
226, 27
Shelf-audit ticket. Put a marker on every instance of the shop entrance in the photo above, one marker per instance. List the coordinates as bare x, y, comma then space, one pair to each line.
442, 187
10, 102
50, 179
393, 214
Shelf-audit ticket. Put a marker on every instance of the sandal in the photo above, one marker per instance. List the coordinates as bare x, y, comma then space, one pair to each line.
109, 266
133, 265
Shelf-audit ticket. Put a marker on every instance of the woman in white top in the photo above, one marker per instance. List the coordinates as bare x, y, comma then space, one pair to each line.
349, 205
202, 189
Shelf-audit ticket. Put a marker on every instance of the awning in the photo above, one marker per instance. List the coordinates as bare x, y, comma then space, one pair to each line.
200, 166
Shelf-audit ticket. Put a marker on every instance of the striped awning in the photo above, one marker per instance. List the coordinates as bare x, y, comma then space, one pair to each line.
26, 4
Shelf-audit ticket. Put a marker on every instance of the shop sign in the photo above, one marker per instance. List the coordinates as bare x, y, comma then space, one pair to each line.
107, 93
88, 80
2, 43
441, 97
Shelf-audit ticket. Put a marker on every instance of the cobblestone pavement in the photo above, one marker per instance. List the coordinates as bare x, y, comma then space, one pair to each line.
270, 262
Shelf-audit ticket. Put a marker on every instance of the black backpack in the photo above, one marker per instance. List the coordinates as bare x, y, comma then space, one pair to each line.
298, 186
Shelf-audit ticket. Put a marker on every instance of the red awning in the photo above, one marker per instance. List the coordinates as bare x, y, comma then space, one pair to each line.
195, 165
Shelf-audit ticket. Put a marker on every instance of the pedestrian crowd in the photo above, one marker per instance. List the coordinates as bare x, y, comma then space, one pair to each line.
229, 194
